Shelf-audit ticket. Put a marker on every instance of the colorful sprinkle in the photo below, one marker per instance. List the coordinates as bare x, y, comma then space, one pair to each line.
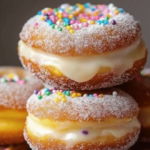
53, 26
39, 96
95, 95
85, 95
57, 100
12, 78
61, 96
74, 95
121, 10
85, 132
79, 16
105, 22
3, 80
36, 92
68, 93
79, 94
113, 22
48, 93
36, 24
39, 13
21, 82
60, 29
101, 95
114, 93
50, 22
64, 100
71, 31
91, 95
85, 24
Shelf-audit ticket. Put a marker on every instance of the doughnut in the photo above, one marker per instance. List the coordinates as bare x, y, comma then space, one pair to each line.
16, 86
82, 47
139, 89
86, 120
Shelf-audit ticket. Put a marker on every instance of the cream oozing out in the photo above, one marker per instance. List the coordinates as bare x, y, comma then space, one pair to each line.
71, 135
82, 69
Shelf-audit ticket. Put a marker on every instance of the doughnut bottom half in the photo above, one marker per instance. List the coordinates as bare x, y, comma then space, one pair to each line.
45, 143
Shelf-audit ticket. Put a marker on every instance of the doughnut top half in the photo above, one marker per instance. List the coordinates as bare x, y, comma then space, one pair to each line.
81, 30
96, 105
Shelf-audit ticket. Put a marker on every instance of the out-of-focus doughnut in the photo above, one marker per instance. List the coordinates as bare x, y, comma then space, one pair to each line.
82, 46
139, 89
16, 86
71, 120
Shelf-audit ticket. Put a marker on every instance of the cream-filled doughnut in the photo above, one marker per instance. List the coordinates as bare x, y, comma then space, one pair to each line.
87, 120
139, 89
82, 47
16, 86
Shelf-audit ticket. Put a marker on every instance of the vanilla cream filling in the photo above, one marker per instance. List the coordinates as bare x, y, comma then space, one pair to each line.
84, 68
71, 132
144, 116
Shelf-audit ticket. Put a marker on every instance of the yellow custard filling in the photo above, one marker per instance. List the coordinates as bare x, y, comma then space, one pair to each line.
12, 120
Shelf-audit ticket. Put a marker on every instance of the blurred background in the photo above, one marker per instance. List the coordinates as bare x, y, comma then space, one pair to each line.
14, 13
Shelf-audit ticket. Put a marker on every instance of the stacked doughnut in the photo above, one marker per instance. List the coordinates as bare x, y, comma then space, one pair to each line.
16, 86
79, 50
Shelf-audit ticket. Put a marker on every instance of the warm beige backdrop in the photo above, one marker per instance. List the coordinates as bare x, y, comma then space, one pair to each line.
14, 13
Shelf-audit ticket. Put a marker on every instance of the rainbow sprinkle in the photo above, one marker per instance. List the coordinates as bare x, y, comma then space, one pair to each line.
61, 95
79, 16
8, 78
114, 93
85, 132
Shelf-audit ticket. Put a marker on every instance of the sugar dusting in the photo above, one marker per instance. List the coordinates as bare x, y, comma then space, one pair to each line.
99, 38
83, 108
13, 95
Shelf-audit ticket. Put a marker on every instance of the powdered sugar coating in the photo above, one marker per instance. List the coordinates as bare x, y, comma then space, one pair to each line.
84, 108
92, 39
14, 95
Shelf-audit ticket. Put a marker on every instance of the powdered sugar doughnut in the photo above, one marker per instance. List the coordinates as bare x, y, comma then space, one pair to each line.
139, 89
87, 120
82, 46
16, 85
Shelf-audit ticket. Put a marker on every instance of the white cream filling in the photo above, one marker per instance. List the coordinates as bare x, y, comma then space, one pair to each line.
70, 134
84, 68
